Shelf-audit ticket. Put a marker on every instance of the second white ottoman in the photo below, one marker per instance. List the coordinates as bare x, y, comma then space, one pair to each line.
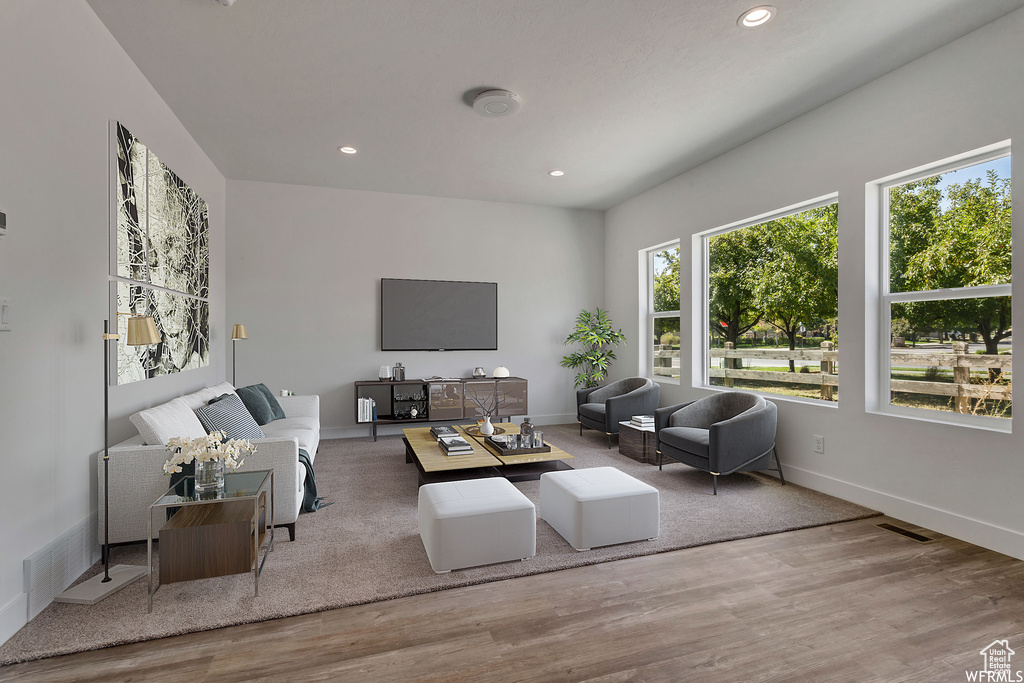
599, 506
475, 522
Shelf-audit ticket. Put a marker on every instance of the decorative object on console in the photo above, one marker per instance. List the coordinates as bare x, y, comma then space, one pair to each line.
479, 372
384, 374
500, 371
594, 332
141, 332
238, 333
398, 374
212, 454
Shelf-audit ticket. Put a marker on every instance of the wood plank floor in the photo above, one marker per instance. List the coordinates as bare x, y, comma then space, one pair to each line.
846, 602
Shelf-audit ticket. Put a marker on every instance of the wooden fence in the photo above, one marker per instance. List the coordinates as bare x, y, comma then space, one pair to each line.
959, 361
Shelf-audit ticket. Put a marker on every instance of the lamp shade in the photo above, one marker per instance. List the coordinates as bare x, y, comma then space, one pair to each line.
238, 332
142, 331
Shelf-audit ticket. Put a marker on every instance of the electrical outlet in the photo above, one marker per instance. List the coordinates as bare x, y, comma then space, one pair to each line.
819, 443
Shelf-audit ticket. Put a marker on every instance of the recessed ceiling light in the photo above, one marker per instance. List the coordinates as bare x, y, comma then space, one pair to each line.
556, 173
347, 150
756, 16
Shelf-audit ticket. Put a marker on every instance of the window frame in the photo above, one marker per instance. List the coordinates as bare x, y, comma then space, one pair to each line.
701, 297
649, 315
880, 400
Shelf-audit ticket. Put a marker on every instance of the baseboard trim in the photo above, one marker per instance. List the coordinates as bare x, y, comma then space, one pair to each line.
976, 531
13, 616
364, 430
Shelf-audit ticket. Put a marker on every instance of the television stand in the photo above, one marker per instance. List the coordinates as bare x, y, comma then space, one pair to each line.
443, 400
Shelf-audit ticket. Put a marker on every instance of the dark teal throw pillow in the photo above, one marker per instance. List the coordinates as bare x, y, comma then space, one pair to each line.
275, 406
256, 403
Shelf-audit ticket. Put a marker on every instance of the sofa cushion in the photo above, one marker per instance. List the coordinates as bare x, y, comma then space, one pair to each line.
256, 401
229, 415
159, 424
198, 399
689, 439
595, 411
278, 430
275, 407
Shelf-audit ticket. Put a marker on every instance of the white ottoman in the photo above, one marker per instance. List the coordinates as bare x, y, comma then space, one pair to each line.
599, 506
474, 522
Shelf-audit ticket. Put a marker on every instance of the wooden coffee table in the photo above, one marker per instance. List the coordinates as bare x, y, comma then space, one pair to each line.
433, 465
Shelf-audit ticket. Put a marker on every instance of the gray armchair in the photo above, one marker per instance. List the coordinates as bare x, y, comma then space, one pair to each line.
728, 432
602, 408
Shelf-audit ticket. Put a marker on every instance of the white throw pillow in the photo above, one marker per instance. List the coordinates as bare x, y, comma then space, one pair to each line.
161, 423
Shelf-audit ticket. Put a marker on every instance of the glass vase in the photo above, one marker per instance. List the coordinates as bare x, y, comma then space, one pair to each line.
209, 477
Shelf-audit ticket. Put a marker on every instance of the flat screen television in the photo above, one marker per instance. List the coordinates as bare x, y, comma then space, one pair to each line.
438, 315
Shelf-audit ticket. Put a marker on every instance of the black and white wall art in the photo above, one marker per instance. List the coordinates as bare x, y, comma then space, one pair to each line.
161, 265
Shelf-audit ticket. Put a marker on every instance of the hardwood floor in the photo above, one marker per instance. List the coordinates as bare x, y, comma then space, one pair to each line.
846, 602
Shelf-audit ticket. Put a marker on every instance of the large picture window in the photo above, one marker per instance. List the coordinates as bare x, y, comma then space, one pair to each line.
945, 291
661, 290
768, 316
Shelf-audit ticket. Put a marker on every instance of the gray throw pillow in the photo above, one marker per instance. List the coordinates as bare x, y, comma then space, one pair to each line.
275, 407
229, 415
256, 401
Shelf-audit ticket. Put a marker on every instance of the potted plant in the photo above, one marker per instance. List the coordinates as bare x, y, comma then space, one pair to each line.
594, 332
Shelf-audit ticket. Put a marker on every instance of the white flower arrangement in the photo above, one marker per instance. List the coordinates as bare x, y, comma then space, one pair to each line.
213, 446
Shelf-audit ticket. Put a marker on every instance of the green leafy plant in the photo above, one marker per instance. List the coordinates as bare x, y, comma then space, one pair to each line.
594, 332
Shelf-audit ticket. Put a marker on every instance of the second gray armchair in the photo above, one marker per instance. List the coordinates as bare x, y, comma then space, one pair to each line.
724, 433
602, 408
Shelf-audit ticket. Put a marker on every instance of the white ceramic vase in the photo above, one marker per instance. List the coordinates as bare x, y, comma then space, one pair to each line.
486, 428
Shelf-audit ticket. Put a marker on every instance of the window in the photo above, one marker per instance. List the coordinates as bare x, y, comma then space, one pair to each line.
661, 291
945, 291
768, 313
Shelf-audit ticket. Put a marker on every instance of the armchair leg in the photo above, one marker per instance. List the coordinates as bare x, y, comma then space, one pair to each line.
659, 460
778, 466
609, 439
581, 429
714, 484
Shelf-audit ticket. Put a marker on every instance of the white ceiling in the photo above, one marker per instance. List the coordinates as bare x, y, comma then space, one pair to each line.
621, 94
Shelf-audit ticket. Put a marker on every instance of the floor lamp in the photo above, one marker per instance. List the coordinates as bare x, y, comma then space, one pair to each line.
237, 332
141, 332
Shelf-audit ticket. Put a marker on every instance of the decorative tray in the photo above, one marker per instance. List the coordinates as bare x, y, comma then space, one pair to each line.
502, 449
475, 431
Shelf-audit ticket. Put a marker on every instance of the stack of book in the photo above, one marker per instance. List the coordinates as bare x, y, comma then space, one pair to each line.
454, 445
367, 408
642, 421
438, 432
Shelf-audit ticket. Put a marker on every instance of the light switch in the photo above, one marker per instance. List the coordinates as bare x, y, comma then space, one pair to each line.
5, 316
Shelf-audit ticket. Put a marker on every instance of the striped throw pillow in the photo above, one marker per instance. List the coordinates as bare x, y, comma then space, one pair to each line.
229, 415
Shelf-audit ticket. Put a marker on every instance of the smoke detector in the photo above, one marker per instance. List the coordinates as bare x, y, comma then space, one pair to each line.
495, 103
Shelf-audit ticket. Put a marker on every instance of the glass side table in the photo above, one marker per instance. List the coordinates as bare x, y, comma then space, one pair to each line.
214, 535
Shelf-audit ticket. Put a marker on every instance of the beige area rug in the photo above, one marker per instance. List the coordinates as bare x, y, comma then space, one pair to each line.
366, 547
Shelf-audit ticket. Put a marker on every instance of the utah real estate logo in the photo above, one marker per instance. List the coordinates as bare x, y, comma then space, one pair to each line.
997, 665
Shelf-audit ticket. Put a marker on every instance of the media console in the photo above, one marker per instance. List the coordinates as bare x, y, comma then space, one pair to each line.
442, 400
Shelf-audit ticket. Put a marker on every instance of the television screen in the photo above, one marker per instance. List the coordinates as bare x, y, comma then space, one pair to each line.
435, 315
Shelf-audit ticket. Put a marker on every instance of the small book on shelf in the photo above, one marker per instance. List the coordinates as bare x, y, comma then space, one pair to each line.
643, 420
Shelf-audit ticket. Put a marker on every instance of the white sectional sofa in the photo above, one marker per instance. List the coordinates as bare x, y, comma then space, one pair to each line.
136, 467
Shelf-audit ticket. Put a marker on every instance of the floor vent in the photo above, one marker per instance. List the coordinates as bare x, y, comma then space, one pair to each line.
53, 568
905, 532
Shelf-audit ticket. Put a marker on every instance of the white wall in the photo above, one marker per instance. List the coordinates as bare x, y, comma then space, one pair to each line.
63, 78
304, 272
961, 481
